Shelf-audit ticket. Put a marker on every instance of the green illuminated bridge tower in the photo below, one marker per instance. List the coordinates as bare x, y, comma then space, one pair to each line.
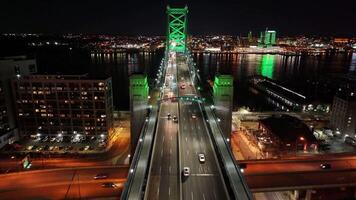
138, 106
177, 29
223, 97
182, 148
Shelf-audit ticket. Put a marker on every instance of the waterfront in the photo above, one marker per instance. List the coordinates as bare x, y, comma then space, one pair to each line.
302, 73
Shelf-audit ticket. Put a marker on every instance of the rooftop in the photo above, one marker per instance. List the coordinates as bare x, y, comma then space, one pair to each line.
288, 128
44, 77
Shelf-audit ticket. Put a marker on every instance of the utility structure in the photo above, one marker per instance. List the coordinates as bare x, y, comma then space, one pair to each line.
177, 29
223, 96
138, 106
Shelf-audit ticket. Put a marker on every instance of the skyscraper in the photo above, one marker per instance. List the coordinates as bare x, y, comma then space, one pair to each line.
267, 38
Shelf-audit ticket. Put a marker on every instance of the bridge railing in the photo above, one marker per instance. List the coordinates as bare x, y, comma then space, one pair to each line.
135, 184
234, 175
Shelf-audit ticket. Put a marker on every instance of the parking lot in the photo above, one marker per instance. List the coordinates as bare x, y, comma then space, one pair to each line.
51, 145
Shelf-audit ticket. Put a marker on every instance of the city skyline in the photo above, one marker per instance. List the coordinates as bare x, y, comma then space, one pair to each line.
206, 18
224, 106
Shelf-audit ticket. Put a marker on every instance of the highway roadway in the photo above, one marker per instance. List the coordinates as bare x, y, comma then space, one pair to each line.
177, 145
66, 183
205, 181
302, 173
164, 174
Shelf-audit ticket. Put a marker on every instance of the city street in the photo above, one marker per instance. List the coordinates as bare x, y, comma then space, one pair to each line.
62, 184
117, 155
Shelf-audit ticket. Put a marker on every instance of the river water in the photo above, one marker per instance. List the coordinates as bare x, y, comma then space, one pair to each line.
299, 73
308, 75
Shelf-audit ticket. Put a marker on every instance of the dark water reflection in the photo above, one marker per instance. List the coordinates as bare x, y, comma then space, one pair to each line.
296, 72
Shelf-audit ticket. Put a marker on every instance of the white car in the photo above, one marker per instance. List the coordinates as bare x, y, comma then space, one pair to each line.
194, 116
201, 157
186, 171
175, 119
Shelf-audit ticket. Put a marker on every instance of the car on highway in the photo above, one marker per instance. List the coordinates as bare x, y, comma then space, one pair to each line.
325, 166
53, 139
175, 119
194, 116
168, 115
101, 176
201, 158
186, 171
109, 185
30, 147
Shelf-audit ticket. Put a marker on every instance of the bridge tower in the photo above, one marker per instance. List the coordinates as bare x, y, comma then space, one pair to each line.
138, 107
177, 29
223, 98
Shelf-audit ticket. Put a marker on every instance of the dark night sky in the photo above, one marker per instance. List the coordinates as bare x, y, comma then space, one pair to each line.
147, 17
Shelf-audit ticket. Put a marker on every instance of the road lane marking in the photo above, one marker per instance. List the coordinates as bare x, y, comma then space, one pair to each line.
170, 169
162, 153
187, 152
192, 195
203, 196
186, 139
203, 175
170, 151
169, 191
163, 139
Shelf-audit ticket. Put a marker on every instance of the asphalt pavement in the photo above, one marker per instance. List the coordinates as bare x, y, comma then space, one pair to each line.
205, 180
163, 180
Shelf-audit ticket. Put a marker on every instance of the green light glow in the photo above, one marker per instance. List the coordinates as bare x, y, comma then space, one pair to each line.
139, 87
177, 29
223, 87
267, 65
267, 38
